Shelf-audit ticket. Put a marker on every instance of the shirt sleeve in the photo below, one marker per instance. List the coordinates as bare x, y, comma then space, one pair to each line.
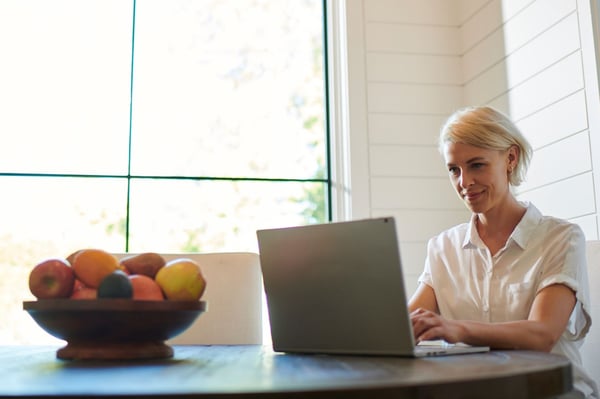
568, 266
425, 277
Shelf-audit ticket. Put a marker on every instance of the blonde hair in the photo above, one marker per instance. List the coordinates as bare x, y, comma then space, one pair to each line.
487, 128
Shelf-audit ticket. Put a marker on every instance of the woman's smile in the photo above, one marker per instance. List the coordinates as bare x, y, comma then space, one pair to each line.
472, 196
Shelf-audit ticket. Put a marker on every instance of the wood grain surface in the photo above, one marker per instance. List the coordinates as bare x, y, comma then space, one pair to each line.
256, 371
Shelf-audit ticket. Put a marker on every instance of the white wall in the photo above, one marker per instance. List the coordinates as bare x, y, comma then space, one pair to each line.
412, 63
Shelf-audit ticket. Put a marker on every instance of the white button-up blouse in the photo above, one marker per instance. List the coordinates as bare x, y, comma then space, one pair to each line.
471, 284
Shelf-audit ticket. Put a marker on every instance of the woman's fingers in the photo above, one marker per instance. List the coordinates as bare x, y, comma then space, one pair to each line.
428, 325
423, 321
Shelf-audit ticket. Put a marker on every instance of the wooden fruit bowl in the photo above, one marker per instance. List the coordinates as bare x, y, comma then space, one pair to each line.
114, 329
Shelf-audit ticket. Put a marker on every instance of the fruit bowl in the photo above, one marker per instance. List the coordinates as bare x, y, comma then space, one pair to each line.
114, 329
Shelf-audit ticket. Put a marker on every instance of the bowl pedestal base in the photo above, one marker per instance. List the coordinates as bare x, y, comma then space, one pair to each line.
115, 351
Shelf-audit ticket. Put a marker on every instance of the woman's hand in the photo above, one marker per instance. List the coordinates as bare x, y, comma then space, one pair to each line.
428, 325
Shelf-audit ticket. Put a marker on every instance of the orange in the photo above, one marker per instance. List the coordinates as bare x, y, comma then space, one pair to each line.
92, 265
72, 256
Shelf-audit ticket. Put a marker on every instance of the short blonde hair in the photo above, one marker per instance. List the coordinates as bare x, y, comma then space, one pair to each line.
486, 127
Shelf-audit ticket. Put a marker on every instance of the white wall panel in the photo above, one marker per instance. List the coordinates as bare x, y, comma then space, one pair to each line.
417, 39
417, 68
487, 20
406, 161
557, 43
413, 99
426, 12
561, 119
589, 22
516, 32
468, 8
510, 8
534, 20
487, 86
410, 284
392, 193
589, 225
553, 84
567, 199
421, 225
561, 160
412, 255
484, 55
404, 129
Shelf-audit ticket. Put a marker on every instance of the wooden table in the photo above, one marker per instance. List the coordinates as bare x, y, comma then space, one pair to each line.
257, 372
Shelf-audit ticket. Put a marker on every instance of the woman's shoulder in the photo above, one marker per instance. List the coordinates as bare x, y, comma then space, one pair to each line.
552, 236
551, 225
555, 225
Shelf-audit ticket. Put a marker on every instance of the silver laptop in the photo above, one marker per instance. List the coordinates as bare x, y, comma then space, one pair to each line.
338, 288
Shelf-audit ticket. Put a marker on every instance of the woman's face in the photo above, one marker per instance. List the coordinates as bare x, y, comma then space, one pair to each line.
479, 175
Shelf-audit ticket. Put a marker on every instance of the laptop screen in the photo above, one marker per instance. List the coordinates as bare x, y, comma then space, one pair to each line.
336, 288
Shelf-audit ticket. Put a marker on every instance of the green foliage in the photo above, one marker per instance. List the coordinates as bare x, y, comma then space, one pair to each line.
315, 204
192, 243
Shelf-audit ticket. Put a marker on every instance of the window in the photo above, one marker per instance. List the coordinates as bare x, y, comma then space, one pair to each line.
155, 125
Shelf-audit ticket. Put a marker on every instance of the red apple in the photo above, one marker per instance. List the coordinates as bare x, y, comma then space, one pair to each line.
52, 278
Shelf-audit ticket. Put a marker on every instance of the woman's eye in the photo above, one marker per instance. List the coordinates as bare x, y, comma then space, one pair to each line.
477, 165
454, 171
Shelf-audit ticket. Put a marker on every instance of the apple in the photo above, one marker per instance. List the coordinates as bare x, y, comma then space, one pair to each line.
52, 278
182, 280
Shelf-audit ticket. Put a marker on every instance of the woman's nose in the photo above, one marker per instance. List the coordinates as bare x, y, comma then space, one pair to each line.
465, 180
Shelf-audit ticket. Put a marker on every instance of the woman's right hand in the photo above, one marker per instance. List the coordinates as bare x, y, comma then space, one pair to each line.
428, 325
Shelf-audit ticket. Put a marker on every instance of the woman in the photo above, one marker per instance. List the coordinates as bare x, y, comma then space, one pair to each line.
511, 278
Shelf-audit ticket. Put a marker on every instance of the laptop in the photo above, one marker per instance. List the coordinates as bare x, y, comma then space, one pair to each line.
338, 288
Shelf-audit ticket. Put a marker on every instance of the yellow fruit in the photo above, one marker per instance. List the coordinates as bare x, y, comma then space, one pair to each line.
181, 280
92, 265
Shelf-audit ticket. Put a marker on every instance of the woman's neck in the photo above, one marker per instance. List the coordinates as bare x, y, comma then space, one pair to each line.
496, 226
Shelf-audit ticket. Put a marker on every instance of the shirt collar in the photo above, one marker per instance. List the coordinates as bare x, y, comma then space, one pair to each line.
524, 230
472, 239
521, 235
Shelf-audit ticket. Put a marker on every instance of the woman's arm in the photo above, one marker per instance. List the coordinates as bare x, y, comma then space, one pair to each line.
424, 298
547, 321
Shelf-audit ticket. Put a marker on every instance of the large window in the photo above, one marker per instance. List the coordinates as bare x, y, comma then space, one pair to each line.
155, 125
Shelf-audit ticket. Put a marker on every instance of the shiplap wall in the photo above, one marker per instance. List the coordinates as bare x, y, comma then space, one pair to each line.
412, 63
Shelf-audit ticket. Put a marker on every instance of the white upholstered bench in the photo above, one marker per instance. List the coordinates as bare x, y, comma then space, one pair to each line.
590, 351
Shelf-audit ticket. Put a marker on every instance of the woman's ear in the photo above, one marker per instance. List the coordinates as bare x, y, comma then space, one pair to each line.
513, 156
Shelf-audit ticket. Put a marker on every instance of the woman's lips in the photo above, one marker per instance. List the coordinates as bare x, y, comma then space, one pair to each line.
471, 196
